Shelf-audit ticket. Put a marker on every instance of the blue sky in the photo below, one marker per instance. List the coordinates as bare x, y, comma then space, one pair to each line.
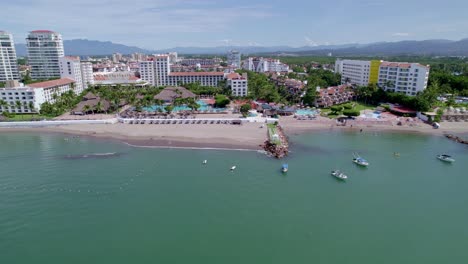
156, 24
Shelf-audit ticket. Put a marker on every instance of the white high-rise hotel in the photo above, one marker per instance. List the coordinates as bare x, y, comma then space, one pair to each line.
157, 72
8, 63
45, 47
80, 72
400, 77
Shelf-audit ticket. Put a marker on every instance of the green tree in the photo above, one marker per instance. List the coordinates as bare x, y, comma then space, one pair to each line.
336, 109
309, 97
244, 109
169, 108
221, 101
351, 112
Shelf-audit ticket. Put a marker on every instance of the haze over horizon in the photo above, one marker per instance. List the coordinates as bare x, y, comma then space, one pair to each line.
156, 24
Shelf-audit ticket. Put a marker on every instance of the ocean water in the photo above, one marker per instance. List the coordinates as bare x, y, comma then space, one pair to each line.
83, 200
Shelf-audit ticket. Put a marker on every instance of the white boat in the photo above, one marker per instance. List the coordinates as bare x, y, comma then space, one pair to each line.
284, 168
359, 160
339, 175
205, 161
446, 158
233, 168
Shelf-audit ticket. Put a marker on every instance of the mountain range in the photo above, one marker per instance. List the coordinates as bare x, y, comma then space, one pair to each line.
435, 47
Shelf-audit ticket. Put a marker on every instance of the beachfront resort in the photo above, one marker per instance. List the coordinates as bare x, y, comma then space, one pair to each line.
171, 90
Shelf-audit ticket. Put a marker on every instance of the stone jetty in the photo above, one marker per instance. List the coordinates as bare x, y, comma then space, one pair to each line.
277, 143
456, 139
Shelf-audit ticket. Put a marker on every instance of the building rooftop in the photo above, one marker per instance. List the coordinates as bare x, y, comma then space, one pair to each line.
196, 74
234, 76
171, 93
75, 58
53, 83
42, 31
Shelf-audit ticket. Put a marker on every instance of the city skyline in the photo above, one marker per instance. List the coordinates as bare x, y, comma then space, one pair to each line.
158, 25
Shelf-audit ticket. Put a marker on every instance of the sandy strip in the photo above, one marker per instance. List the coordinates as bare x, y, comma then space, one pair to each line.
248, 136
293, 126
244, 137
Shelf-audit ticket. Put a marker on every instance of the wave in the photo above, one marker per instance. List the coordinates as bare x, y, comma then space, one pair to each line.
93, 155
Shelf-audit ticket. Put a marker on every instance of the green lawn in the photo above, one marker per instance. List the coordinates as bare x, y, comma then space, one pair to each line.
27, 117
273, 131
357, 106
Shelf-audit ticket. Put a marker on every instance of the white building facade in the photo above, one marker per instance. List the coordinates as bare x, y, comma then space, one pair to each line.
28, 99
87, 74
157, 72
8, 61
353, 71
400, 77
80, 72
238, 84
406, 78
45, 47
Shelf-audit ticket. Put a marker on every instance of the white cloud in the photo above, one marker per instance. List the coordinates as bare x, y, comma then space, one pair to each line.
401, 34
152, 22
310, 42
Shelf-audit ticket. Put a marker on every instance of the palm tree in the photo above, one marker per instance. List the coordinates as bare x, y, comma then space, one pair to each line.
3, 104
18, 106
86, 109
32, 108
99, 107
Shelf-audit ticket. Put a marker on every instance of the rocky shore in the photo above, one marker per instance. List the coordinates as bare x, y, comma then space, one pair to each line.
456, 139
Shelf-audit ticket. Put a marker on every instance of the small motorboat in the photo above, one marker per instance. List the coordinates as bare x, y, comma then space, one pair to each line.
360, 161
284, 168
233, 168
446, 158
205, 161
339, 175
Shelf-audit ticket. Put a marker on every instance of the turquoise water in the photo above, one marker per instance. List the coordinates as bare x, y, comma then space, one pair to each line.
62, 204
306, 112
202, 104
375, 114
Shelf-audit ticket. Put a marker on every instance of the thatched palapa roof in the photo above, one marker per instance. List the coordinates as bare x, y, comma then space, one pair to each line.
169, 94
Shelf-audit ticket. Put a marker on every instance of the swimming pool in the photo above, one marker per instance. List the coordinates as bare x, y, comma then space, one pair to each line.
202, 107
375, 114
306, 112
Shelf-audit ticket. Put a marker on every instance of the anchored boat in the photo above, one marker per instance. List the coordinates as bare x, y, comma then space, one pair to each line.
339, 175
359, 160
284, 168
446, 158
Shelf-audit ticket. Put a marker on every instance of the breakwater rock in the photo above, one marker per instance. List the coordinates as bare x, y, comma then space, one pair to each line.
456, 139
277, 144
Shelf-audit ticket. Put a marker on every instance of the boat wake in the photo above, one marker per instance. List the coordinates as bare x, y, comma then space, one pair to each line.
93, 156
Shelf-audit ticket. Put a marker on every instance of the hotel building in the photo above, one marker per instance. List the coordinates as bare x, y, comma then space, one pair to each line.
400, 77
238, 84
80, 72
45, 47
264, 65
35, 94
157, 72
8, 62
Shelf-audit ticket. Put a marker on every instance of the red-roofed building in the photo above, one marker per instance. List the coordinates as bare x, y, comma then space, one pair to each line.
334, 95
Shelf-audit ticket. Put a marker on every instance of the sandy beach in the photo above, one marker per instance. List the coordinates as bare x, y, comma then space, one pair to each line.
293, 126
248, 136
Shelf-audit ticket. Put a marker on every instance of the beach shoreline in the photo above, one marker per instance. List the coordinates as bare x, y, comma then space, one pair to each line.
247, 137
